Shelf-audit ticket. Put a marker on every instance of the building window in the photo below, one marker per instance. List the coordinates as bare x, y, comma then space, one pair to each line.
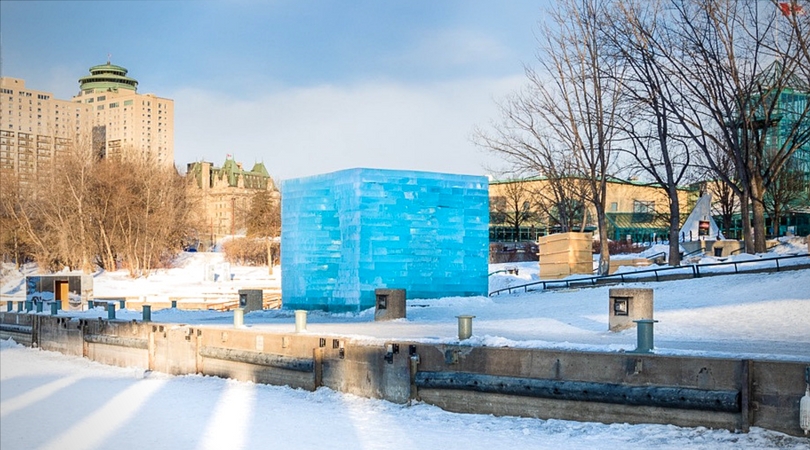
643, 206
643, 211
101, 98
614, 206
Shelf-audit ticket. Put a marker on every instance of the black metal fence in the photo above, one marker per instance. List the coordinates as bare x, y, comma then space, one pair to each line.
666, 273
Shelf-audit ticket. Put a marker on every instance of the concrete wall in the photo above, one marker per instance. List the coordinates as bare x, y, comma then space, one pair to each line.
588, 386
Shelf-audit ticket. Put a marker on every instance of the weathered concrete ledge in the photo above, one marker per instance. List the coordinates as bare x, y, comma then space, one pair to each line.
587, 386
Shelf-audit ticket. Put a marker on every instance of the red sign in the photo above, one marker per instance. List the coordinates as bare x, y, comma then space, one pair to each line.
703, 228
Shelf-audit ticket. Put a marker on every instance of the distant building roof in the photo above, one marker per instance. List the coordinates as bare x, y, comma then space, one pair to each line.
256, 178
108, 77
774, 76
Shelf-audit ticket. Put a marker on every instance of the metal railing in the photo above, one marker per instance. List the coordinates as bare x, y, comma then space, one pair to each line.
690, 271
692, 253
655, 256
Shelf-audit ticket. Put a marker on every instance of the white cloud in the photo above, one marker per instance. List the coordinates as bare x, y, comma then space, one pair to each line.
306, 131
449, 48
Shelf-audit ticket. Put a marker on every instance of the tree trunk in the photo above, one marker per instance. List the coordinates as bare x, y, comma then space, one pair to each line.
726, 223
17, 263
270, 255
108, 256
758, 207
674, 228
604, 248
745, 219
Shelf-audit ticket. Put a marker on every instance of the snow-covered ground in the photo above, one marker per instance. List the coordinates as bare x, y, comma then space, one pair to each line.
49, 400
754, 315
191, 277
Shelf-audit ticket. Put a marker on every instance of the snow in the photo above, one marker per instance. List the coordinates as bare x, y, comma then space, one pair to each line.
52, 401
49, 400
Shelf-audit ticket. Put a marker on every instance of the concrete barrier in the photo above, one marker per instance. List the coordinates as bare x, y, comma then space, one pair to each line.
61, 334
18, 326
590, 386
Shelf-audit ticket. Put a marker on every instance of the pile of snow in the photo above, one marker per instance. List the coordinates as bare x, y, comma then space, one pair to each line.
200, 274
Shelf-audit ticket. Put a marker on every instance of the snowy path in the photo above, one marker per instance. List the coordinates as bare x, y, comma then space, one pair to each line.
52, 401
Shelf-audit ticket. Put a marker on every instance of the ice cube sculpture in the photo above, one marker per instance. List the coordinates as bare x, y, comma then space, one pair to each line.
345, 234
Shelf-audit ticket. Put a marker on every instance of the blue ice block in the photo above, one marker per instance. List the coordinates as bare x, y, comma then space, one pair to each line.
347, 233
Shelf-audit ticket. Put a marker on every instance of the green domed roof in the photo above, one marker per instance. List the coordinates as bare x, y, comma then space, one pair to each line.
108, 77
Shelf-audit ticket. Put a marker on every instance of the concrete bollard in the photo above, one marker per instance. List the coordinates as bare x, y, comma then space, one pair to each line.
464, 327
29, 306
147, 313
110, 311
54, 308
645, 335
39, 307
300, 320
238, 318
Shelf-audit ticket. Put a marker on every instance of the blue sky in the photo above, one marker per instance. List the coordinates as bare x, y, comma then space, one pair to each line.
304, 86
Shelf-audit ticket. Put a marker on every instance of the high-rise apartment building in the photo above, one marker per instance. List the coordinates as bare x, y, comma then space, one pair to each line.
124, 120
108, 113
36, 129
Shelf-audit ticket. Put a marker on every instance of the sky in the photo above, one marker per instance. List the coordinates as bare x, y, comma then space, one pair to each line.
305, 87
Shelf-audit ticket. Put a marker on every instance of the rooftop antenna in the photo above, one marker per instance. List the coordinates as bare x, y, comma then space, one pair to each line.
109, 57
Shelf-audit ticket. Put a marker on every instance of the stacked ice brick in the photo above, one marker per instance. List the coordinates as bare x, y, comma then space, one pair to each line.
347, 233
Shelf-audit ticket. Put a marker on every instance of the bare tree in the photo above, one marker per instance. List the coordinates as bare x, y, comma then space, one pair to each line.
110, 198
51, 213
561, 201
724, 190
647, 123
21, 209
99, 212
13, 242
568, 107
787, 190
514, 206
155, 219
264, 220
731, 61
